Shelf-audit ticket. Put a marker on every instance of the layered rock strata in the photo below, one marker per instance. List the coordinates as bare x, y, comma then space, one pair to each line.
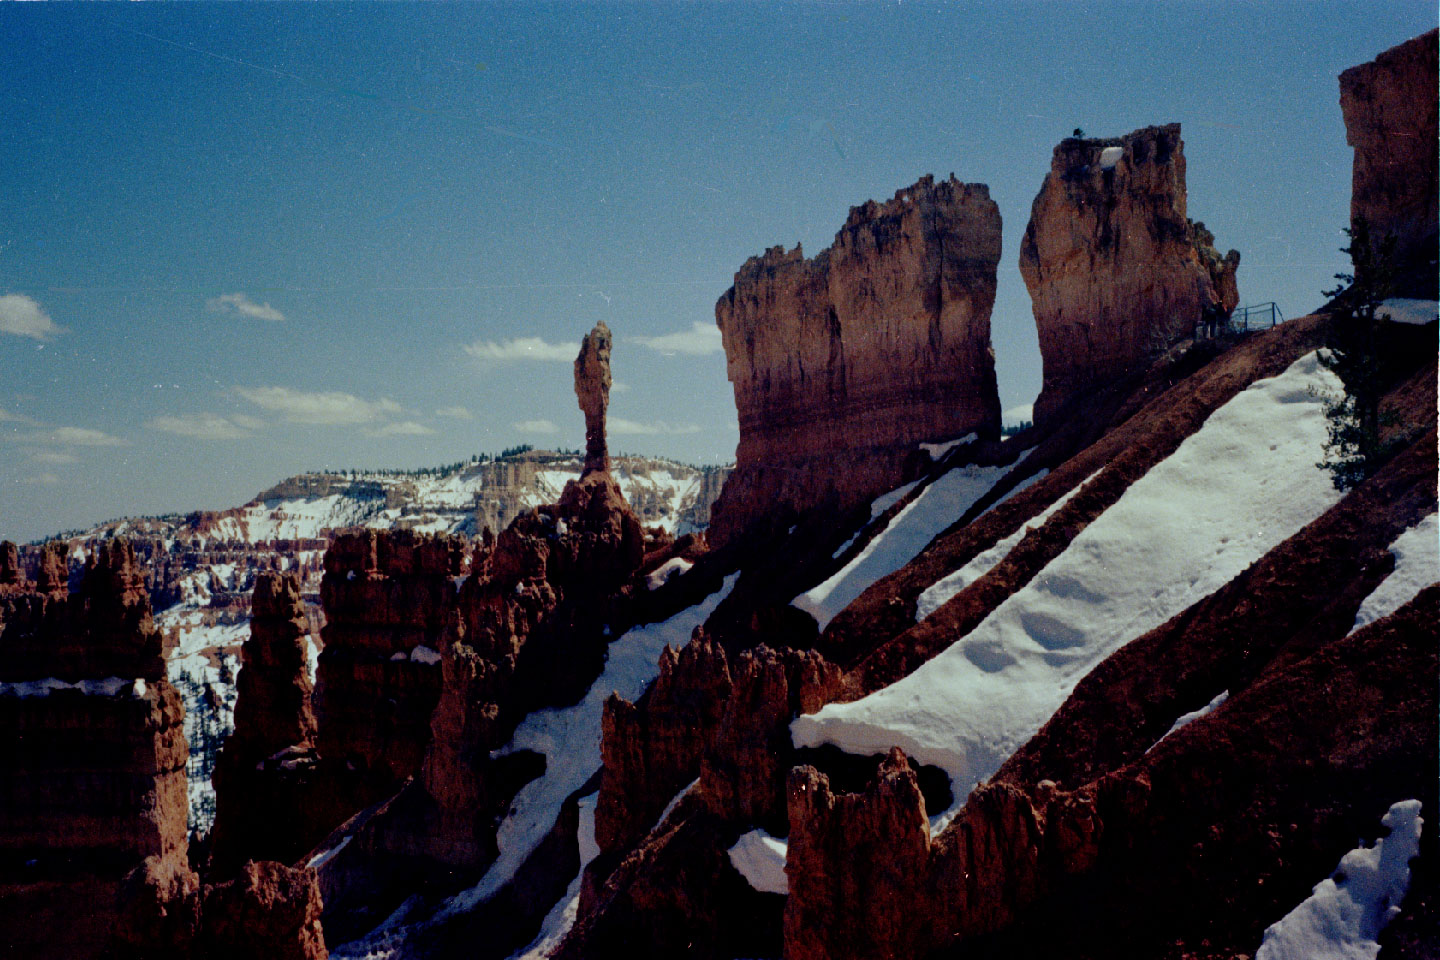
879, 343
1116, 271
92, 756
387, 597
1389, 109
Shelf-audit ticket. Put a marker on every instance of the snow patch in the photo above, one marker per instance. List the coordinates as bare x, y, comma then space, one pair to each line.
1237, 487
325, 856
1417, 565
107, 687
1185, 719
938, 506
887, 500
561, 918
1110, 156
423, 654
760, 858
1344, 915
674, 567
945, 589
938, 450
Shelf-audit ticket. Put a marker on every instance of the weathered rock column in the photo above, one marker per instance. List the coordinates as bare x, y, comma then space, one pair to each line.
1389, 108
1117, 272
592, 389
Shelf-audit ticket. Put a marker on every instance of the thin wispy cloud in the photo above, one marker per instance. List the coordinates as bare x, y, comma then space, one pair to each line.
201, 426
239, 305
24, 317
454, 413
405, 428
699, 340
522, 348
535, 426
67, 436
618, 387
53, 458
622, 427
42, 480
326, 409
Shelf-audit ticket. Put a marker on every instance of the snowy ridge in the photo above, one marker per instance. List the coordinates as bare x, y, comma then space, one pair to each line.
1233, 490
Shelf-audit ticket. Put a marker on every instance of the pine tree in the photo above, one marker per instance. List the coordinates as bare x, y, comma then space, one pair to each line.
1355, 448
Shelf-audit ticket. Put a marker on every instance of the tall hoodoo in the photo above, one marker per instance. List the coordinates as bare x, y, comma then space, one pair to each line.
1117, 272
843, 363
1389, 108
592, 389
260, 813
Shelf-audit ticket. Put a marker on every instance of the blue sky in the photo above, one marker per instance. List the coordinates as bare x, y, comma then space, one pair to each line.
242, 241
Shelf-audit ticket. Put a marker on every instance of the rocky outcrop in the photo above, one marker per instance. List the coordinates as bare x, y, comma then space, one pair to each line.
266, 807
387, 598
92, 760
857, 865
1389, 108
592, 389
268, 912
879, 343
1116, 271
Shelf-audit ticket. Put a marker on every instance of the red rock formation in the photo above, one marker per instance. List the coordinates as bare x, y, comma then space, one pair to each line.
269, 912
1389, 108
879, 343
592, 389
858, 866
387, 596
92, 759
1205, 838
265, 806
1116, 271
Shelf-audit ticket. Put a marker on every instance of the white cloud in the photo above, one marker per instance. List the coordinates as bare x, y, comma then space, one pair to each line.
405, 428
83, 437
331, 409
618, 387
535, 426
622, 427
200, 426
455, 413
700, 339
1014, 416
237, 304
523, 348
53, 457
24, 317
42, 480
246, 421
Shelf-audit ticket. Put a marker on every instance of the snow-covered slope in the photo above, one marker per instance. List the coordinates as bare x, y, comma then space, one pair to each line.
1240, 485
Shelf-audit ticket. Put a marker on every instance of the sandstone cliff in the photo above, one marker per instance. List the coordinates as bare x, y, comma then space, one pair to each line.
1389, 108
842, 363
1116, 271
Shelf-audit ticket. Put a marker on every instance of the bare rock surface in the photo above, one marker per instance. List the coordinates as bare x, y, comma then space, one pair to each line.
877, 344
1115, 269
1389, 108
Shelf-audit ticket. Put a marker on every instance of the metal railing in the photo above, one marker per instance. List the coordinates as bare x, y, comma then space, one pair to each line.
1260, 316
